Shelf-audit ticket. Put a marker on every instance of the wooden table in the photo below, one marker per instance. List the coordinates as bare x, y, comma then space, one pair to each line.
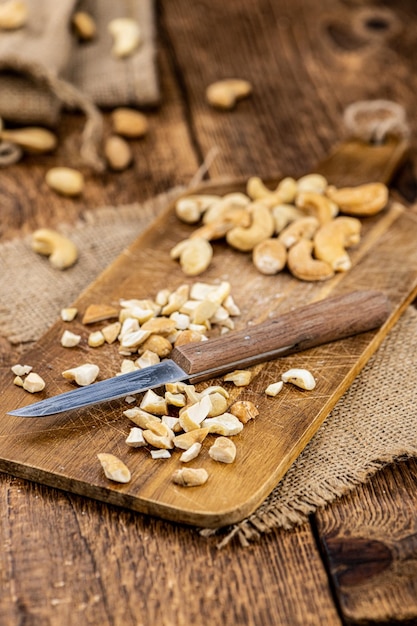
69, 560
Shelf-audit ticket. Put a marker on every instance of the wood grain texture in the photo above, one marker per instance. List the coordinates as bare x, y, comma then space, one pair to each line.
369, 539
69, 560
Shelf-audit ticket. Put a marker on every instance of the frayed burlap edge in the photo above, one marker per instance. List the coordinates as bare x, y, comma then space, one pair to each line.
374, 424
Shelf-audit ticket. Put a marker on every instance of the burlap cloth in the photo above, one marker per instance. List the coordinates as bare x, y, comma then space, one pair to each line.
373, 424
44, 67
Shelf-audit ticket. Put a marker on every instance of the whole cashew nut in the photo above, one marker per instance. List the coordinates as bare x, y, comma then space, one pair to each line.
332, 238
126, 36
302, 265
317, 204
363, 200
61, 251
261, 227
284, 193
303, 228
194, 255
269, 256
224, 94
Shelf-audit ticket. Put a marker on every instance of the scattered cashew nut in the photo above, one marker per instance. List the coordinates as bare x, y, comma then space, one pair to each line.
331, 240
13, 14
126, 36
304, 266
261, 227
62, 252
224, 94
362, 200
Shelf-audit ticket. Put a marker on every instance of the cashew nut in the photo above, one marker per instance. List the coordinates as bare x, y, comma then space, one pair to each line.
65, 180
191, 208
31, 139
13, 14
192, 453
274, 388
312, 182
217, 210
302, 265
284, 193
225, 424
190, 477
114, 468
223, 450
118, 153
331, 240
126, 36
318, 205
269, 256
301, 378
362, 200
194, 255
244, 410
284, 214
83, 375
224, 94
84, 26
62, 252
261, 227
33, 383
129, 123
304, 228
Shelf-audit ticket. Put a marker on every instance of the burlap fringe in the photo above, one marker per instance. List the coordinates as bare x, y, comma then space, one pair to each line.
70, 96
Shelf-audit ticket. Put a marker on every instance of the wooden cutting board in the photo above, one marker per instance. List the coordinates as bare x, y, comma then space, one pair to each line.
61, 451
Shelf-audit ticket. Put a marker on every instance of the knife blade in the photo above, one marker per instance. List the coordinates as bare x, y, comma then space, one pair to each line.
315, 324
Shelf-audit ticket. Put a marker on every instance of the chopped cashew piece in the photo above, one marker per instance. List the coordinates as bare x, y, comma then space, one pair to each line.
21, 370
83, 375
69, 339
226, 424
189, 477
301, 378
33, 383
160, 454
192, 452
141, 418
129, 123
114, 468
135, 438
223, 450
98, 313
62, 252
240, 378
69, 314
186, 440
274, 388
153, 403
192, 416
111, 332
84, 25
147, 359
96, 339
244, 410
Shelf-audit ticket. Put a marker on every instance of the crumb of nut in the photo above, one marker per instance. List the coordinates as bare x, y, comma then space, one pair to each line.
189, 477
69, 339
21, 370
299, 377
114, 468
33, 383
223, 450
240, 378
244, 410
274, 388
69, 314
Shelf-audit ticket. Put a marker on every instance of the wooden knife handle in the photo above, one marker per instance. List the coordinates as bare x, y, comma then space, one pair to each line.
312, 325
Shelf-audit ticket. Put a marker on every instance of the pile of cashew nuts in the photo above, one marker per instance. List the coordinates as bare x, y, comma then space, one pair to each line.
305, 225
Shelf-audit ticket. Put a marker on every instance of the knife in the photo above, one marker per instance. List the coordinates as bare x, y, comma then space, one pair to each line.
306, 327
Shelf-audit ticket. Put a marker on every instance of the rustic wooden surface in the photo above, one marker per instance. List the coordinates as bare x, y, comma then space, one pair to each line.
66, 559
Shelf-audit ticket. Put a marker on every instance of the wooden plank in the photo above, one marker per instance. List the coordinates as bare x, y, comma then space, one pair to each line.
289, 421
369, 541
69, 560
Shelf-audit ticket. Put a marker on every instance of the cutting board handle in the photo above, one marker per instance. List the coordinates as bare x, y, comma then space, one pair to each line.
315, 324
